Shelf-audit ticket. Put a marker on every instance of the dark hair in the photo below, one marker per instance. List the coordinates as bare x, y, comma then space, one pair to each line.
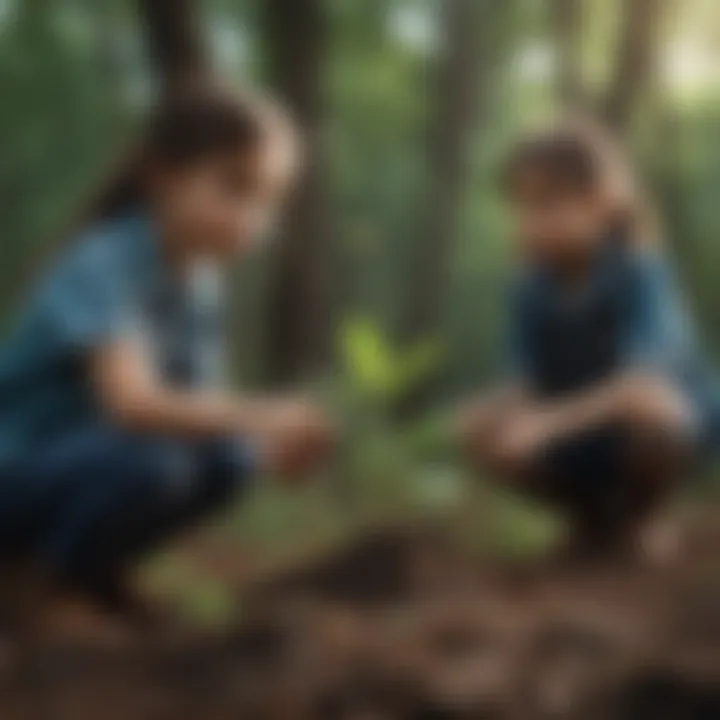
581, 156
564, 160
186, 126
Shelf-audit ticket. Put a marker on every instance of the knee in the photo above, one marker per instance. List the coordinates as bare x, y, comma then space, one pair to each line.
168, 470
224, 467
660, 426
177, 472
658, 451
652, 406
489, 452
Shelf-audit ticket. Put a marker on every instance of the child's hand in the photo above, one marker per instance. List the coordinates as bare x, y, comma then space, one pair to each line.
645, 400
525, 437
296, 436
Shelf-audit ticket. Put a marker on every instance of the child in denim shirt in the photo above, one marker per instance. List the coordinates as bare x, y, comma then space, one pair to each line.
608, 399
113, 432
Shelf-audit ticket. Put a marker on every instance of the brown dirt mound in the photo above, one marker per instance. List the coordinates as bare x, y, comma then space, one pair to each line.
403, 625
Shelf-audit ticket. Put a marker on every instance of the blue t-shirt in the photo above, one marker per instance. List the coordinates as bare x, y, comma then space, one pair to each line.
629, 313
112, 283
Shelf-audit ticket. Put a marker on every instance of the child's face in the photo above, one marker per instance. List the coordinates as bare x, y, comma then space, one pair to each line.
556, 224
219, 207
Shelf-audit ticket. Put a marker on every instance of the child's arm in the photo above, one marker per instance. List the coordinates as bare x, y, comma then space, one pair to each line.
88, 307
631, 398
475, 416
654, 337
290, 431
132, 397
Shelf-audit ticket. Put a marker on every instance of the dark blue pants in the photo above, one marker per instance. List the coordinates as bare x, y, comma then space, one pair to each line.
611, 478
93, 501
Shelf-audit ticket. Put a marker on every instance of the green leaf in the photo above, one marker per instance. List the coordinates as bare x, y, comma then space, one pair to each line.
367, 356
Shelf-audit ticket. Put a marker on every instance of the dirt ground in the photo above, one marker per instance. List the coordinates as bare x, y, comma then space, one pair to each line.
403, 625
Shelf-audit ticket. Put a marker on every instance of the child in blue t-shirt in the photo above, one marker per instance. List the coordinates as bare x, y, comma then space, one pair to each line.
608, 398
114, 432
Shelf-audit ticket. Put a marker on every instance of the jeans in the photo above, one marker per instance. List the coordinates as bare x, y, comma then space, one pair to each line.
96, 499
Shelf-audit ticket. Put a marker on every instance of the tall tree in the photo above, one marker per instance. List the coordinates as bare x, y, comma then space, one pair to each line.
174, 39
635, 60
466, 69
567, 25
299, 321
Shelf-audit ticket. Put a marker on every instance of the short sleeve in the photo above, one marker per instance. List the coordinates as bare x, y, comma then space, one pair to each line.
87, 301
656, 332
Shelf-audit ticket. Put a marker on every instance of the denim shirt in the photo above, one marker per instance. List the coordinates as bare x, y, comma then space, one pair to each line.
111, 284
630, 313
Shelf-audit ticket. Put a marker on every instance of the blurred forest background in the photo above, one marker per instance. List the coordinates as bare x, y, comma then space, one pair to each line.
386, 289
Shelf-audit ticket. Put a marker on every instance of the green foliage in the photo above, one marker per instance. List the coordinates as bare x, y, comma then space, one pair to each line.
378, 370
382, 464
60, 123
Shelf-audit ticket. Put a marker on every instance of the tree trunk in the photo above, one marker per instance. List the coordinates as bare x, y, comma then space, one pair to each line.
635, 64
567, 25
299, 319
174, 39
463, 78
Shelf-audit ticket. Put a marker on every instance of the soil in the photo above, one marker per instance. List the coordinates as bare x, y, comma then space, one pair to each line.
404, 625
